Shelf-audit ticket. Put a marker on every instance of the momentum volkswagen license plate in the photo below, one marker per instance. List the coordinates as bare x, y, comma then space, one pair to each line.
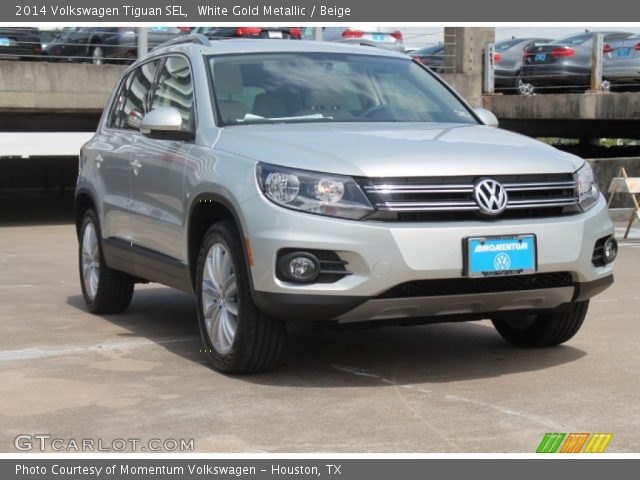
498, 256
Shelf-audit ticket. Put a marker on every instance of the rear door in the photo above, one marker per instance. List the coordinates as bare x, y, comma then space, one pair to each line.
158, 205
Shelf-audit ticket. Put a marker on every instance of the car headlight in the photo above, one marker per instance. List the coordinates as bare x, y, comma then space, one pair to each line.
313, 192
588, 192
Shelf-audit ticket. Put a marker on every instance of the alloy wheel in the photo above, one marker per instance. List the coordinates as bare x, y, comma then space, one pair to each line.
90, 260
220, 298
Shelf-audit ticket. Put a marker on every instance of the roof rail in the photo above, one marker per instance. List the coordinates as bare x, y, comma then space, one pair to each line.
192, 38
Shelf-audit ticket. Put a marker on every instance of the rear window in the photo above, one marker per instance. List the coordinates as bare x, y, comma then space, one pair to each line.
575, 39
432, 50
329, 87
506, 44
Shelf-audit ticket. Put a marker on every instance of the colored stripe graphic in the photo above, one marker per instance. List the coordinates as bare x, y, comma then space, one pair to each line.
574, 443
550, 442
598, 442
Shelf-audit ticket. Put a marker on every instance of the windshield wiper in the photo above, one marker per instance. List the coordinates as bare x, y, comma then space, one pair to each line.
250, 118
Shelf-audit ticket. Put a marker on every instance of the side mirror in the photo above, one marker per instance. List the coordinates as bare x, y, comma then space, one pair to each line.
164, 123
486, 117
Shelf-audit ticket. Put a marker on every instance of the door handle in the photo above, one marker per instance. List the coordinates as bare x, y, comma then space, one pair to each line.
136, 166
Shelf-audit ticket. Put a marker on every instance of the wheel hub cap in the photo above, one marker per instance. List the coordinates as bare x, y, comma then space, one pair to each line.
90, 260
220, 298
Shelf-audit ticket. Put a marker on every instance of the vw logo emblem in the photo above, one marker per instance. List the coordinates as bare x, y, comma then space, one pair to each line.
490, 196
502, 262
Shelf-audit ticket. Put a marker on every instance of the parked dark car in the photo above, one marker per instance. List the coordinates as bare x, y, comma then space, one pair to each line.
508, 62
20, 42
47, 36
105, 44
431, 56
621, 64
564, 63
291, 33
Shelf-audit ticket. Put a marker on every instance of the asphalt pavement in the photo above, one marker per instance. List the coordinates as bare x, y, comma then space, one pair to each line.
440, 388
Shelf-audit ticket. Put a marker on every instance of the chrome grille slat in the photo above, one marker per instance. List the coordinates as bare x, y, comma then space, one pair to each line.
438, 196
383, 189
545, 201
417, 207
539, 185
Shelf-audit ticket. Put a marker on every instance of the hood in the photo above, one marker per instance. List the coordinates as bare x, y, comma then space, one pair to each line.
396, 150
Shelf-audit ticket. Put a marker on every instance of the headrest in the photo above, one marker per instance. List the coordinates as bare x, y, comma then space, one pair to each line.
325, 99
228, 79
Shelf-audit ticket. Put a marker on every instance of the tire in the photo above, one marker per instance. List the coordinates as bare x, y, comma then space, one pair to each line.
237, 337
545, 329
104, 290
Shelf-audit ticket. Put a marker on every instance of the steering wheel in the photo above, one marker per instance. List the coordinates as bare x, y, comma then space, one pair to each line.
370, 112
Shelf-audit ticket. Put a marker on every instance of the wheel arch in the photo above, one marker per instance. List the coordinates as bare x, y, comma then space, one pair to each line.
207, 209
83, 201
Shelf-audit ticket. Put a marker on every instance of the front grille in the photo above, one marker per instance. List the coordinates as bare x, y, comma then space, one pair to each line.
462, 286
451, 198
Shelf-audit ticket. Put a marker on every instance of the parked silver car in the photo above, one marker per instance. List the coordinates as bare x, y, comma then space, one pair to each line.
384, 37
324, 183
564, 63
621, 64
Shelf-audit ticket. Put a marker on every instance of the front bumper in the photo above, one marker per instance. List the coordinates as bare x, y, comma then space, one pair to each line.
383, 255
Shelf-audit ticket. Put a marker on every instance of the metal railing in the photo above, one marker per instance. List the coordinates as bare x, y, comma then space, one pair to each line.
592, 73
77, 45
443, 61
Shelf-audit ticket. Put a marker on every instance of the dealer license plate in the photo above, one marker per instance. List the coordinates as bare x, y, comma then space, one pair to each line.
275, 34
623, 52
4, 42
500, 256
540, 57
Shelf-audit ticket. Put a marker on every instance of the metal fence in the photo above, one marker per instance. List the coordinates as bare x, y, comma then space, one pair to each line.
433, 47
92, 44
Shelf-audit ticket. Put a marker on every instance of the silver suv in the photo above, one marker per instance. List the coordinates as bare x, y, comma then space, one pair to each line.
327, 183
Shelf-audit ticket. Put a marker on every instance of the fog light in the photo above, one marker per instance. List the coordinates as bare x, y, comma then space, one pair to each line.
610, 250
299, 267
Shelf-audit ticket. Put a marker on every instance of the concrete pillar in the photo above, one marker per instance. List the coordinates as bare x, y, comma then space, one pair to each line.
464, 47
464, 60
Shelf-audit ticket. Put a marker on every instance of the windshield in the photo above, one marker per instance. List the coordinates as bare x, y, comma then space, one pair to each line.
328, 87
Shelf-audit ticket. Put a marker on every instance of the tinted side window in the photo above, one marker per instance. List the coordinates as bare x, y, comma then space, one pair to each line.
175, 89
130, 104
118, 104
